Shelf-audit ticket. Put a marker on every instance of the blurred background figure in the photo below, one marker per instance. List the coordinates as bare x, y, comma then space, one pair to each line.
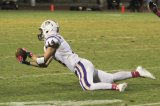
141, 5
110, 4
113, 4
156, 1
134, 5
117, 5
78, 5
9, 5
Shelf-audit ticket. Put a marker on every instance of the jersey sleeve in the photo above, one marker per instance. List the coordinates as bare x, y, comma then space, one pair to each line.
53, 42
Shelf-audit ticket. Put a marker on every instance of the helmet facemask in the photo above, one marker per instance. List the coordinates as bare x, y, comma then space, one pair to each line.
41, 36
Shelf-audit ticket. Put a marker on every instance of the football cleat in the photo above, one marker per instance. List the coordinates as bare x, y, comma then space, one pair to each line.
121, 87
144, 73
153, 8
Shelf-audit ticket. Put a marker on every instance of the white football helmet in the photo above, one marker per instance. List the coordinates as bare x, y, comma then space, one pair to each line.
48, 28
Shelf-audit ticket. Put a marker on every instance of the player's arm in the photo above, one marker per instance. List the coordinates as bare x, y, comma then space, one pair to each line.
42, 61
52, 44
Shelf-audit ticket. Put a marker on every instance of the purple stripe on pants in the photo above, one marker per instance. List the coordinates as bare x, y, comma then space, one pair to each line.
80, 78
85, 74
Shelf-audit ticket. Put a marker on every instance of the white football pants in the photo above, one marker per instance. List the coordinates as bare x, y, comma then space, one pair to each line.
93, 79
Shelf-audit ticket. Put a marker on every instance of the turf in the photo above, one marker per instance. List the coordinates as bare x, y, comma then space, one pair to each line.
111, 40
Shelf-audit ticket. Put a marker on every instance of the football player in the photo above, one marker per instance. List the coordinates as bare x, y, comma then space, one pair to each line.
90, 78
153, 7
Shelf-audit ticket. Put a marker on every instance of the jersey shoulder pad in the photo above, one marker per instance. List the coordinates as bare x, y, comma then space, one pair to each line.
53, 41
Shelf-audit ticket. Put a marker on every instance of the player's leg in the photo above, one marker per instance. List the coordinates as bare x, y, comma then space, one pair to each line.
103, 80
110, 86
85, 77
109, 78
85, 70
103, 76
139, 72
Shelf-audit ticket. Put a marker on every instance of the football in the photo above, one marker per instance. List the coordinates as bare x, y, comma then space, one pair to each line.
21, 55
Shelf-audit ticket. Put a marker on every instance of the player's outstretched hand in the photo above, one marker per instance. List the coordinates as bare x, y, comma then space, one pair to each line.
21, 56
28, 53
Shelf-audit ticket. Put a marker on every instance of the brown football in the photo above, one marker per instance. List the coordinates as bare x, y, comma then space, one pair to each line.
21, 54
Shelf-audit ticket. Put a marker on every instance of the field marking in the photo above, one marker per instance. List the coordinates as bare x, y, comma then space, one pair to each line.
34, 76
148, 104
68, 40
57, 74
95, 39
105, 51
6, 57
130, 50
19, 43
61, 103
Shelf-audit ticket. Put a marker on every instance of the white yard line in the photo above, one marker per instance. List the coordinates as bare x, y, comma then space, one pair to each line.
130, 50
6, 57
57, 74
105, 51
61, 103
34, 76
73, 40
19, 43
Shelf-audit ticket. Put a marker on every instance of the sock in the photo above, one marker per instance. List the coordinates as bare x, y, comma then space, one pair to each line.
135, 74
114, 87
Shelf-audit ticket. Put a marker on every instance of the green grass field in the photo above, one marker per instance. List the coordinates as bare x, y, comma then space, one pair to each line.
112, 41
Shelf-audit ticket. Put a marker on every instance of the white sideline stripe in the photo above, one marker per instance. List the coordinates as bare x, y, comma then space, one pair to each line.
73, 40
148, 104
6, 57
84, 41
98, 51
61, 103
2, 57
125, 50
57, 74
118, 37
19, 43
34, 76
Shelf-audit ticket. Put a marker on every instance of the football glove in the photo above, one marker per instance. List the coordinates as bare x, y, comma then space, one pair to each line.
28, 53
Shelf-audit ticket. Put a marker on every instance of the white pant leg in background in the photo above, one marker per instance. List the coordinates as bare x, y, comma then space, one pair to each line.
102, 76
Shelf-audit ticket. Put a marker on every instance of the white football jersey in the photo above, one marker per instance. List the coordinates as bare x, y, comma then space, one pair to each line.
63, 53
